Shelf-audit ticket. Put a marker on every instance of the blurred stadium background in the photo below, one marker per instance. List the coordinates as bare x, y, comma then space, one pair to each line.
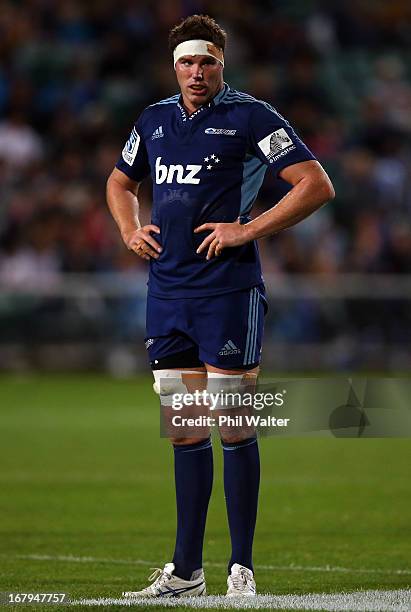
87, 505
74, 76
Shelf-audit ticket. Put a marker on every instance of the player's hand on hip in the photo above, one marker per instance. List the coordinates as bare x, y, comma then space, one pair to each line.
142, 242
222, 235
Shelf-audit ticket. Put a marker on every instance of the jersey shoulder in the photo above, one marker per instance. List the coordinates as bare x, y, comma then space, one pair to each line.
154, 113
166, 101
250, 103
162, 107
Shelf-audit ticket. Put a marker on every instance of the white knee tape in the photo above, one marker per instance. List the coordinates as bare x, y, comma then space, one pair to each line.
167, 383
226, 382
227, 389
230, 382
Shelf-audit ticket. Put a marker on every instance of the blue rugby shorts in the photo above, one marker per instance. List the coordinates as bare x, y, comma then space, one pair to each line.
225, 331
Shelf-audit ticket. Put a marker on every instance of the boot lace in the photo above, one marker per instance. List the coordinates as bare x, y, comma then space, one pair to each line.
239, 579
158, 578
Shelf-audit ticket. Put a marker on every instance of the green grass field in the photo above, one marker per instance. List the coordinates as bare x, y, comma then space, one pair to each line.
87, 498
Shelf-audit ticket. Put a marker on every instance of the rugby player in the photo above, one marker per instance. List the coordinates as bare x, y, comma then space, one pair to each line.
207, 150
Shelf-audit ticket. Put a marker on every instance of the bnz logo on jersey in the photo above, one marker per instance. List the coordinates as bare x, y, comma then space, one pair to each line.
177, 172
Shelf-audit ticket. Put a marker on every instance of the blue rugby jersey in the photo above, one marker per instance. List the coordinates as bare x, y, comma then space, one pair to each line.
206, 167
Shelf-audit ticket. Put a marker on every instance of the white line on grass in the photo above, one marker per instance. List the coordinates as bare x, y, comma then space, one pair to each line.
361, 601
281, 568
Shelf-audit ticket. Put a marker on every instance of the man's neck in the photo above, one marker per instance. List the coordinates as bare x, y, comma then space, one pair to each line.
190, 108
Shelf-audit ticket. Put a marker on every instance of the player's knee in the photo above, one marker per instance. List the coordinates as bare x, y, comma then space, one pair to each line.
231, 395
233, 438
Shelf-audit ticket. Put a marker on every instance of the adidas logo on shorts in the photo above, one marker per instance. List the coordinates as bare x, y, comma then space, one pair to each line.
229, 349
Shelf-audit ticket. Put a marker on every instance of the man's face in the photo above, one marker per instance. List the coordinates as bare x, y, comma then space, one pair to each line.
200, 78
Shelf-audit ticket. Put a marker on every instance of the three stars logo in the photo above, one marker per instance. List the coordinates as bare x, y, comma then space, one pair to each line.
210, 160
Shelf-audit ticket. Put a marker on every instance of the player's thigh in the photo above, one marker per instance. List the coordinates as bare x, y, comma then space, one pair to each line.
177, 378
231, 393
168, 341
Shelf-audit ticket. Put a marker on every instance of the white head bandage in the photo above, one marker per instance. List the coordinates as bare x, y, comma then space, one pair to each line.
198, 47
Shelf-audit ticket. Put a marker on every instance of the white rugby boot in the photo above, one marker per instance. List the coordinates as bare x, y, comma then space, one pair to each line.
165, 584
241, 582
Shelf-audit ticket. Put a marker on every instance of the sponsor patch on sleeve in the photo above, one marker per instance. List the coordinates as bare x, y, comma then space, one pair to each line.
131, 147
276, 145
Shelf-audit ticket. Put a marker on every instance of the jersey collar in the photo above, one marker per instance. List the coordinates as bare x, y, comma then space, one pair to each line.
216, 100
185, 116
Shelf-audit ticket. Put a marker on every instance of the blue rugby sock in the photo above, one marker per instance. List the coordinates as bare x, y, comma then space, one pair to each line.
241, 484
193, 468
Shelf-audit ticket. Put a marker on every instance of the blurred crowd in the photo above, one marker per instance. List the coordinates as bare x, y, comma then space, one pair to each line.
74, 76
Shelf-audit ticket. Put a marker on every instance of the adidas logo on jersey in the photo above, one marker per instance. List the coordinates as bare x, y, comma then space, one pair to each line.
176, 172
229, 349
158, 133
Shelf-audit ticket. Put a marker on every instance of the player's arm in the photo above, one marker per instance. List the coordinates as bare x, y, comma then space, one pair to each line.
272, 139
124, 206
311, 189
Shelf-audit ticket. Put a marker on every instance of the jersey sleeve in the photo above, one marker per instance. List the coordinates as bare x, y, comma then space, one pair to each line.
134, 159
273, 140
